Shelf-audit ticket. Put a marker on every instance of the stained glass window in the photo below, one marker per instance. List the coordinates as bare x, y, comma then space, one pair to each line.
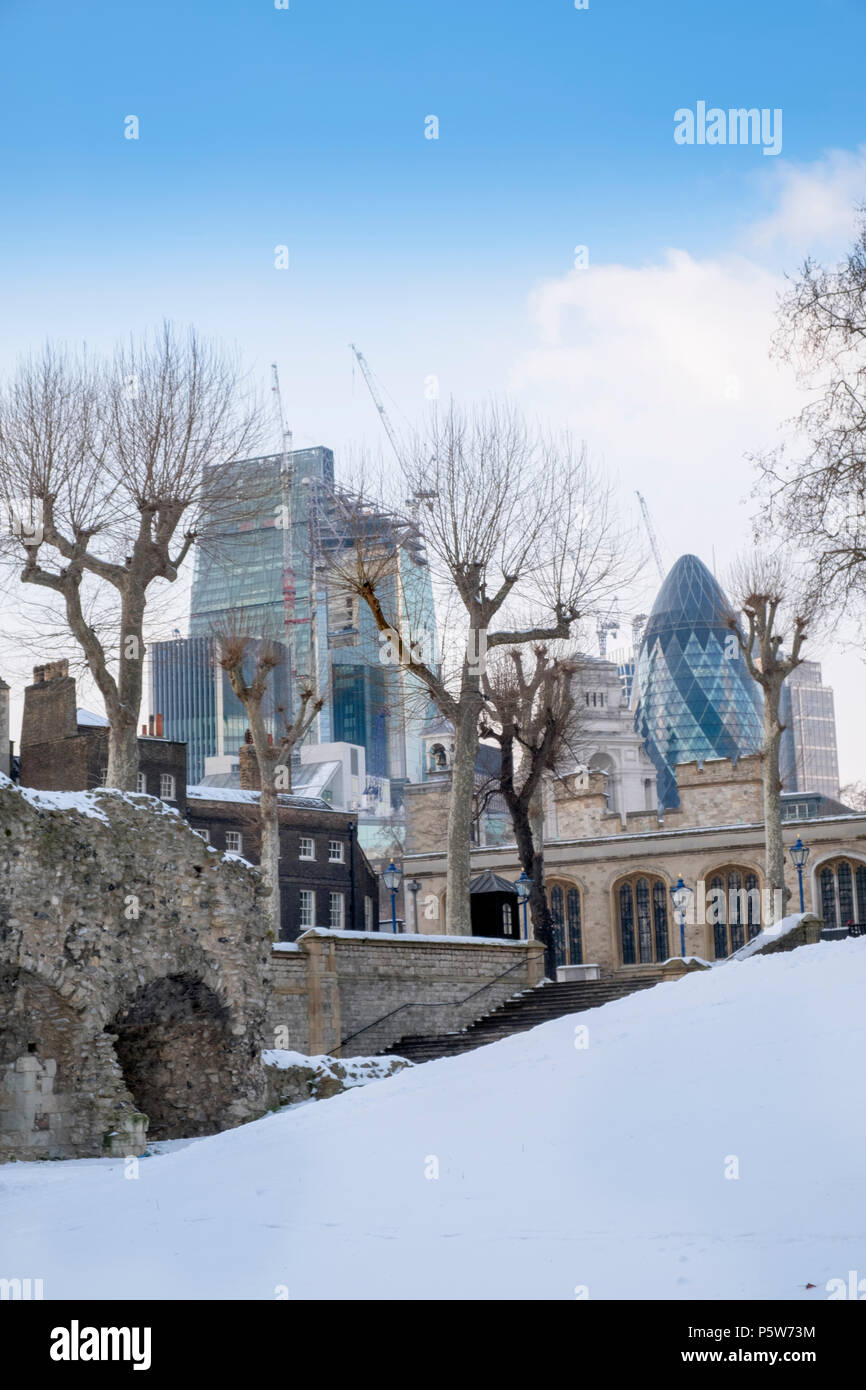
575, 943
660, 914
557, 912
626, 920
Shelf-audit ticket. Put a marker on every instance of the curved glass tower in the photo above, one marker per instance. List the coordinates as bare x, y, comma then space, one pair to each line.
695, 697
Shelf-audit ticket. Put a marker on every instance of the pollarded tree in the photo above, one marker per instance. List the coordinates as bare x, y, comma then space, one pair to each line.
106, 462
520, 532
777, 616
533, 717
249, 663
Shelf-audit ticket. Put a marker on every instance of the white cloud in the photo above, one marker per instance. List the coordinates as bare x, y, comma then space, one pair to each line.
815, 204
665, 370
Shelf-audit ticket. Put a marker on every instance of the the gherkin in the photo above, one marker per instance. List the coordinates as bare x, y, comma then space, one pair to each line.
695, 697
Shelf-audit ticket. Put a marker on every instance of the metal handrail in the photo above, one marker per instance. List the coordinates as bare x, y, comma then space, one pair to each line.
432, 1004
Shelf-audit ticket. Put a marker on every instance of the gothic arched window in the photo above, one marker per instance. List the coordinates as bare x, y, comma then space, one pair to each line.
643, 919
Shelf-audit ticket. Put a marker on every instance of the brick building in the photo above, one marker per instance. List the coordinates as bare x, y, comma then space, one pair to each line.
325, 878
64, 748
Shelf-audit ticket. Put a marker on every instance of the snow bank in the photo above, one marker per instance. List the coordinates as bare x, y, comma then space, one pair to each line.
704, 1139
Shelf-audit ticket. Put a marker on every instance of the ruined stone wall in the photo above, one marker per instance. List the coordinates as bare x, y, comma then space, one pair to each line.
135, 960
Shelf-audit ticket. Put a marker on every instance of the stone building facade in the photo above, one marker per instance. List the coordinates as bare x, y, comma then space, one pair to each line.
610, 889
134, 978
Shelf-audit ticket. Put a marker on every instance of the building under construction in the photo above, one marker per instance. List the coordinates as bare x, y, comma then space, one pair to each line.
269, 564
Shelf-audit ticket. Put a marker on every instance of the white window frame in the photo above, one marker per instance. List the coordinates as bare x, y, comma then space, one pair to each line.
307, 840
167, 787
336, 852
235, 848
368, 913
337, 900
141, 782
307, 906
203, 835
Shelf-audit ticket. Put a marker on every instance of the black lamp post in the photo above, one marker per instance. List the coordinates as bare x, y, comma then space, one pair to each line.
522, 887
392, 877
414, 886
799, 854
681, 894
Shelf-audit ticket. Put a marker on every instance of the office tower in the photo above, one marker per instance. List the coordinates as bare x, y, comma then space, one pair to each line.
809, 759
695, 697
267, 564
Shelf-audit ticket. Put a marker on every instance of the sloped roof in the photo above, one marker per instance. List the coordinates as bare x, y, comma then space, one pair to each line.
492, 883
86, 719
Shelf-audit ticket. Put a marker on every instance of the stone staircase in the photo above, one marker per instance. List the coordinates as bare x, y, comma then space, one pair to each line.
539, 1005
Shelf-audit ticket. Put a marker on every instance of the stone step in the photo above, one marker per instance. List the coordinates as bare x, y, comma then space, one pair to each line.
517, 1015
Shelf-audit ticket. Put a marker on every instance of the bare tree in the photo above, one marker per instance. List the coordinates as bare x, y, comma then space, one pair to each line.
108, 461
238, 653
853, 794
771, 644
533, 718
816, 484
522, 530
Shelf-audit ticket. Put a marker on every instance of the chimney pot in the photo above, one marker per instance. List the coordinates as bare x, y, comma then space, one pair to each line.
159, 726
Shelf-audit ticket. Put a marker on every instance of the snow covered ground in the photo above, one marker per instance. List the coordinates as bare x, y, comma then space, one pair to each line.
709, 1141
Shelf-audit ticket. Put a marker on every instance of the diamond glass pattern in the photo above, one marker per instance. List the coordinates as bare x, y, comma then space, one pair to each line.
696, 699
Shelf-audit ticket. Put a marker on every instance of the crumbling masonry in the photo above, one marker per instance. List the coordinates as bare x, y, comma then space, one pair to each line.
133, 978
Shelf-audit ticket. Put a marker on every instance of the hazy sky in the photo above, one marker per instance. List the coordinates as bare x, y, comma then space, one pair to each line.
455, 257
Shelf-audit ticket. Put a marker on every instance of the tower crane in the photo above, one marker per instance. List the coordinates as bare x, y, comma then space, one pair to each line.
285, 508
371, 387
657, 555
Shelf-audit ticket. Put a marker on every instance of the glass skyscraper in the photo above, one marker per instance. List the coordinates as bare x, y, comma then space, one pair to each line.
809, 759
261, 564
695, 697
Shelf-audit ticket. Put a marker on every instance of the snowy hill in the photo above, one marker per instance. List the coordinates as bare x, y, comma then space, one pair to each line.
560, 1167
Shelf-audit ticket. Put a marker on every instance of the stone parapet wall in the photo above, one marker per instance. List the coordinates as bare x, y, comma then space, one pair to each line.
350, 981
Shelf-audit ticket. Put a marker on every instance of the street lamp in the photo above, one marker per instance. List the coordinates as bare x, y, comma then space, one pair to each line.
392, 877
681, 894
414, 886
522, 887
799, 854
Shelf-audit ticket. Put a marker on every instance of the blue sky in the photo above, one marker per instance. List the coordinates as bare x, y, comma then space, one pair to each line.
305, 127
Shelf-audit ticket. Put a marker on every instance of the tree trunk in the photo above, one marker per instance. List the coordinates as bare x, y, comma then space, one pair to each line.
122, 755
269, 823
459, 873
530, 851
270, 855
774, 849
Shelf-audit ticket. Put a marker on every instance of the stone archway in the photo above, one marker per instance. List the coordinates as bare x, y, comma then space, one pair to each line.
173, 1041
59, 1087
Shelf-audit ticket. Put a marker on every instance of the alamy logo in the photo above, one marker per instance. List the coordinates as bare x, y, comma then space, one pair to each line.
20, 1289
75, 1343
736, 126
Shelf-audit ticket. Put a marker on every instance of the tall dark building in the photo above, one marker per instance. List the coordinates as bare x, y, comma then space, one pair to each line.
695, 697
809, 759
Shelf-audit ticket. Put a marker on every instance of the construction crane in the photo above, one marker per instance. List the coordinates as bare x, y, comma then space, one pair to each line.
606, 623
285, 509
371, 387
652, 535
